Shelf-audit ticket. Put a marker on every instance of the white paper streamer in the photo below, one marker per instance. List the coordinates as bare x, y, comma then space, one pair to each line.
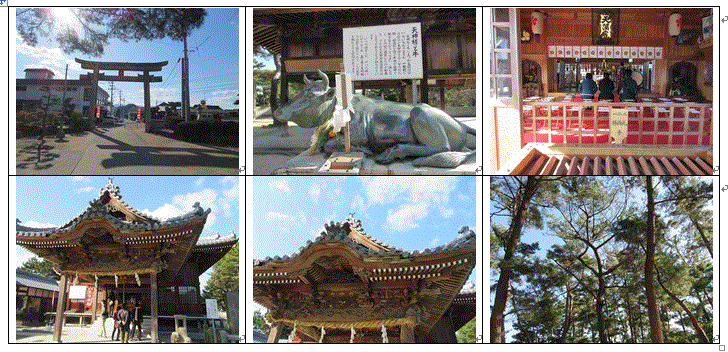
341, 118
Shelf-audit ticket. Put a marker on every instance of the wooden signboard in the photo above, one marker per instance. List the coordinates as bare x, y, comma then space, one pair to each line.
618, 122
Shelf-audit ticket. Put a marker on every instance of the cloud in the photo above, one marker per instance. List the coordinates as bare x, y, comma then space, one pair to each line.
230, 198
407, 217
22, 256
50, 58
229, 179
37, 225
446, 212
384, 190
85, 189
279, 185
165, 94
275, 216
420, 196
183, 203
435, 241
222, 97
80, 178
199, 181
315, 192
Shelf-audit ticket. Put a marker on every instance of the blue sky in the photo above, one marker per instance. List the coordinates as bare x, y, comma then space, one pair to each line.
214, 62
52, 201
412, 213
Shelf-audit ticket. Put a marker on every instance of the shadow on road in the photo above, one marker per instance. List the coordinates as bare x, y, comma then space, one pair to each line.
129, 155
29, 158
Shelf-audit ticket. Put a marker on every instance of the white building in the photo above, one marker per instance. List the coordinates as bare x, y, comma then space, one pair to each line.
28, 93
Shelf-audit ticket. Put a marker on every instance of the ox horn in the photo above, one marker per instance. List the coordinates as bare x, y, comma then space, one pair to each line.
306, 80
325, 79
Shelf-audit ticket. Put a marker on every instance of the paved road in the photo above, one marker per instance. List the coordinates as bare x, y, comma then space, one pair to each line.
123, 150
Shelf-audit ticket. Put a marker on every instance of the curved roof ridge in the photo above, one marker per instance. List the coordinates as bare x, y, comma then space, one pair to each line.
368, 246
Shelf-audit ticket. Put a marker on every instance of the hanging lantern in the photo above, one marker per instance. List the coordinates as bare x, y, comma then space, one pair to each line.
116, 281
351, 339
323, 332
537, 22
139, 281
385, 339
75, 281
674, 24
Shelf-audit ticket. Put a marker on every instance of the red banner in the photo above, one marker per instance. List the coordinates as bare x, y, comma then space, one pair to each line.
98, 111
139, 113
89, 297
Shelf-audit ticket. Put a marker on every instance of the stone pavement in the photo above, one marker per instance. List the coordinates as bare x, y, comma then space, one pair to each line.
76, 334
123, 150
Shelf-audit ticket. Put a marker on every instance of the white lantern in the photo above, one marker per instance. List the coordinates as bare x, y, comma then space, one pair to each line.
674, 24
537, 22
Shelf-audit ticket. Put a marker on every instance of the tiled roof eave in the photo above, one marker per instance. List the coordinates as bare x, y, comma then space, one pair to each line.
121, 226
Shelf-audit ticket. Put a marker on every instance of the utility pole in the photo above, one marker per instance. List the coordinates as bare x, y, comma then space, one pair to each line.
65, 83
185, 82
111, 111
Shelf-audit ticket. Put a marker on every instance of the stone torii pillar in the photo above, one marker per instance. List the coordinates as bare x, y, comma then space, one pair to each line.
60, 308
94, 96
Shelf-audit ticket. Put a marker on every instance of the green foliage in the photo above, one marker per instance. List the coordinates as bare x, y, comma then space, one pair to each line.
224, 278
467, 333
88, 30
259, 322
390, 94
41, 267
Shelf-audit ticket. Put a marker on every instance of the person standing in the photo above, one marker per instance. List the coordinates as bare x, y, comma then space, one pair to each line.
104, 316
124, 321
137, 320
587, 87
116, 324
606, 88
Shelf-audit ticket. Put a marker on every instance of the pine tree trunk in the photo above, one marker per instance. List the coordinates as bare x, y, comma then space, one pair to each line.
567, 314
652, 309
502, 294
698, 330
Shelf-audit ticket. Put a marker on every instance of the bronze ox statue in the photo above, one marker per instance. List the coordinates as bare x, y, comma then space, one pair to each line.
385, 129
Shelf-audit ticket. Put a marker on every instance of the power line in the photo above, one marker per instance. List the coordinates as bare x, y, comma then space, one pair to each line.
170, 74
216, 30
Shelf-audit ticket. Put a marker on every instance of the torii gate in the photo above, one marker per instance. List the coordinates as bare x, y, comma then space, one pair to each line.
96, 76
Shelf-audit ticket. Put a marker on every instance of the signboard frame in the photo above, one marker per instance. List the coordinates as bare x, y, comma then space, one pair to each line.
384, 52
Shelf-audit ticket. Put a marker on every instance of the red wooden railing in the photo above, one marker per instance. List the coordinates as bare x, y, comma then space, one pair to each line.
588, 123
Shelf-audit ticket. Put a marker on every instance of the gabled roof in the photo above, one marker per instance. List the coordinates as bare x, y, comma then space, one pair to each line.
110, 237
108, 205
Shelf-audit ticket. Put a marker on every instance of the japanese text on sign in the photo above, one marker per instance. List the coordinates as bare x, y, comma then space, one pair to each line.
383, 52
